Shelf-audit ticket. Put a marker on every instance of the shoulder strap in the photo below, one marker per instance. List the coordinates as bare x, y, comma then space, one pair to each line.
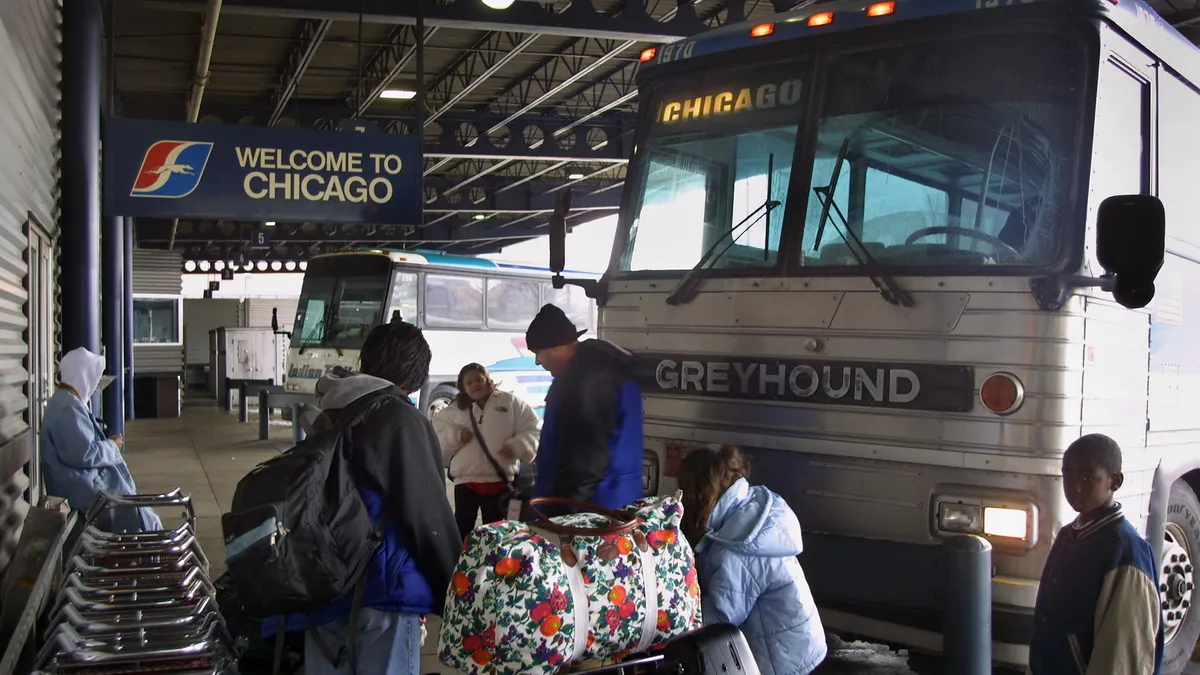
486, 452
353, 413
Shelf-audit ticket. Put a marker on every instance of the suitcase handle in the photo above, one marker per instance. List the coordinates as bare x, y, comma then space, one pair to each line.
623, 523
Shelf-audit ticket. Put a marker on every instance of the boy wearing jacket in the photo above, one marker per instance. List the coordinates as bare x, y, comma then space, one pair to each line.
746, 540
397, 465
508, 431
1097, 610
591, 447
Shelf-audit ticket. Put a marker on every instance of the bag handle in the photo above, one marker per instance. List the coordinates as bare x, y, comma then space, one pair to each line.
623, 523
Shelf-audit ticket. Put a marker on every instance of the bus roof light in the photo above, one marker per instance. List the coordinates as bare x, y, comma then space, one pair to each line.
648, 54
881, 9
762, 30
821, 19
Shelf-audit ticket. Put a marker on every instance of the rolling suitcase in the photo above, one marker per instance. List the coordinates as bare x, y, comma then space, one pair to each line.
718, 648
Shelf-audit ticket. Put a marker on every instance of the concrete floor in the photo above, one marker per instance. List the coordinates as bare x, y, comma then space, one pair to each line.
206, 452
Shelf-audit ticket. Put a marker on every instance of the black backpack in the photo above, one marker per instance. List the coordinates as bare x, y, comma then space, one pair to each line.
299, 536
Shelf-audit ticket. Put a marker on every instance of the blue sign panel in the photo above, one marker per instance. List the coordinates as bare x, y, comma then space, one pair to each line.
235, 172
260, 238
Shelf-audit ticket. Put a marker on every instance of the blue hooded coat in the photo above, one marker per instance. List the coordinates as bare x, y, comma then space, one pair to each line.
750, 577
78, 460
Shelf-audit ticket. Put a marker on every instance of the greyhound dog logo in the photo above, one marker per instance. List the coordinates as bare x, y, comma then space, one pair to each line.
171, 169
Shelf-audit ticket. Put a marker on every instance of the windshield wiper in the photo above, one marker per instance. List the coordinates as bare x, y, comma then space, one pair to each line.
685, 291
888, 288
307, 340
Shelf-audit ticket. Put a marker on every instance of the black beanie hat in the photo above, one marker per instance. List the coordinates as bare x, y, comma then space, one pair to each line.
550, 328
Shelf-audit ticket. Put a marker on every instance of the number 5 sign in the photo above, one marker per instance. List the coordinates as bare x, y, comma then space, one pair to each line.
260, 238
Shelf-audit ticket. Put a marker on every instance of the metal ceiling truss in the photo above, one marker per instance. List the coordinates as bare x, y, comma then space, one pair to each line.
581, 19
299, 56
385, 65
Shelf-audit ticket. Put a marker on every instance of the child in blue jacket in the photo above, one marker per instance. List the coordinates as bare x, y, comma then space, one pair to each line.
746, 540
1097, 610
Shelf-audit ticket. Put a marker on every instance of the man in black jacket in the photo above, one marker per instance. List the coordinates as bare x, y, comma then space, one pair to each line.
397, 464
591, 443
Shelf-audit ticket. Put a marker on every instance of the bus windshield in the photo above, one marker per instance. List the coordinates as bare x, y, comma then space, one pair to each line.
953, 153
341, 301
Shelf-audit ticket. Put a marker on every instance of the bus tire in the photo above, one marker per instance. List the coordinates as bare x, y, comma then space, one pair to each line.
441, 396
1181, 545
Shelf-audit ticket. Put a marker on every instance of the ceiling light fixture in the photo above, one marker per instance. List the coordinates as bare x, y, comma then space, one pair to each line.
480, 216
398, 94
575, 176
498, 4
269, 223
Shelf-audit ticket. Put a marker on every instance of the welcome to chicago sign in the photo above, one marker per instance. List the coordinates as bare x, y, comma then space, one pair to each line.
211, 171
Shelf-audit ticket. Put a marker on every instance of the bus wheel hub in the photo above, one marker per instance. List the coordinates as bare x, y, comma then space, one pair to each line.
1175, 582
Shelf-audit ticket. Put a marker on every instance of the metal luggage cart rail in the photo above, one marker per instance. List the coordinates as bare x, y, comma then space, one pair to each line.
137, 602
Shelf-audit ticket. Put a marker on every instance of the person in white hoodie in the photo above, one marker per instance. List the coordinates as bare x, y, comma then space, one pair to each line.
78, 460
509, 428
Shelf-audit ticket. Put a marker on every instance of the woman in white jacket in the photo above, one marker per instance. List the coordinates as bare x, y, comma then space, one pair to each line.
510, 429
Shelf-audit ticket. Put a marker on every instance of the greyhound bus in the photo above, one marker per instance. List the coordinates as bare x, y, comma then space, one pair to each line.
470, 309
864, 243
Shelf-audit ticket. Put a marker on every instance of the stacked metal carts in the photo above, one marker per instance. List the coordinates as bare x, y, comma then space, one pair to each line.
137, 603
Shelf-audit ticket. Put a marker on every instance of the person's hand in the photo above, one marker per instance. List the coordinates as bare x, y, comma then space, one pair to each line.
466, 436
119, 440
507, 453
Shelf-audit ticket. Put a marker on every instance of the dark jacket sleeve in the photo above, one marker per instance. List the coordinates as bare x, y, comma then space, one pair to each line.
587, 418
404, 462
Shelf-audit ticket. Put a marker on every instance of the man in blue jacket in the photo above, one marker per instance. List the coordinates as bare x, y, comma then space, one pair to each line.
591, 443
1097, 610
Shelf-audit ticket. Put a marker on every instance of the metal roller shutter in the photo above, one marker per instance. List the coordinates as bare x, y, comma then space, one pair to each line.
201, 316
29, 136
258, 312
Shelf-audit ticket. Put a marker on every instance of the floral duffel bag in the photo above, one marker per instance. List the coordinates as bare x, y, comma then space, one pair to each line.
595, 585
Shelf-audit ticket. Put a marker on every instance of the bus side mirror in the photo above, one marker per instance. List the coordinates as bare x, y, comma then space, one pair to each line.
558, 233
1131, 240
274, 319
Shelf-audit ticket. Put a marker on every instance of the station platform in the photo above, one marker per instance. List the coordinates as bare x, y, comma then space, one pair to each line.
207, 451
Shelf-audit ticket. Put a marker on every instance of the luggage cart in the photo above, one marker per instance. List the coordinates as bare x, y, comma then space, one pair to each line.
137, 602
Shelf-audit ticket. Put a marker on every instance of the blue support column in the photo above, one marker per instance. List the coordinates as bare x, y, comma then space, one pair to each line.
83, 78
127, 315
112, 247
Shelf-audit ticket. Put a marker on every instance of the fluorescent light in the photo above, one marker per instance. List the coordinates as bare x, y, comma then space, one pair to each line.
398, 94
498, 4
269, 223
575, 176
480, 216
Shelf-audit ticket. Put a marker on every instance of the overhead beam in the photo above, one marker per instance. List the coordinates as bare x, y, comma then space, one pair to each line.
385, 65
298, 59
580, 20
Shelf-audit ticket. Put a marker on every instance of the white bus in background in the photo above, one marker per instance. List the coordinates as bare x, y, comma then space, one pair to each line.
470, 309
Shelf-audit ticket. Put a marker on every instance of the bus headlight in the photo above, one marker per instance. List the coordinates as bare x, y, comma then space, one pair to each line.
1004, 518
962, 518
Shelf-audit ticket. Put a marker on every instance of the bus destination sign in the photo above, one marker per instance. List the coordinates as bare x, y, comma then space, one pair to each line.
731, 101
943, 388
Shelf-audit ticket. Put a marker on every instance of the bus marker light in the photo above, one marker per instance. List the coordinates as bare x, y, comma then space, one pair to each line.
881, 9
647, 54
1002, 393
961, 518
821, 19
762, 30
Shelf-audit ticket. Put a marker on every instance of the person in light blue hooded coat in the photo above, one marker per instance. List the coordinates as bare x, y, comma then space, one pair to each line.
746, 540
78, 460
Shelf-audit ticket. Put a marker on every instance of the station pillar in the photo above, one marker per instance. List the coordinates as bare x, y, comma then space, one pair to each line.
112, 249
127, 315
79, 264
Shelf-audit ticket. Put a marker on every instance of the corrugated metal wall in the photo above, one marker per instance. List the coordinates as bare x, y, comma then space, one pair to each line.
256, 312
29, 75
157, 273
202, 315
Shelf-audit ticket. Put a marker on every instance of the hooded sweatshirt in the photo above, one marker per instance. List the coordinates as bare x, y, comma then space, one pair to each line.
397, 464
750, 577
591, 446
78, 460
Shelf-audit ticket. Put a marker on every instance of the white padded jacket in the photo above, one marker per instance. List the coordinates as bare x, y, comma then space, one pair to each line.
503, 420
